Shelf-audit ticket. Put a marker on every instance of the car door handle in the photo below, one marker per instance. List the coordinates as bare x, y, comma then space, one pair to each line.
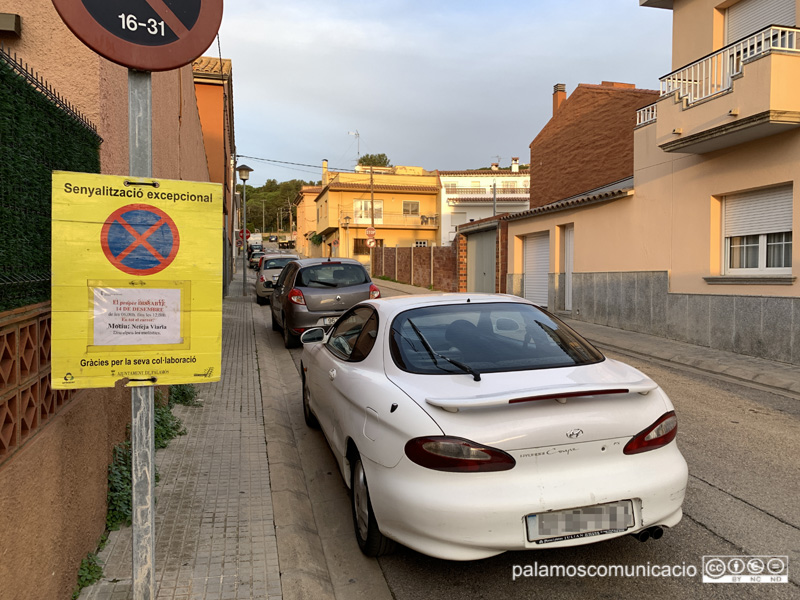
332, 374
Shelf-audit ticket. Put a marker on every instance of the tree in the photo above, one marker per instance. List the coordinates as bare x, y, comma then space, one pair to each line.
374, 160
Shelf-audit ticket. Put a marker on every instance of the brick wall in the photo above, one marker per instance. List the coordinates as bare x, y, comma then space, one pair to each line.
588, 143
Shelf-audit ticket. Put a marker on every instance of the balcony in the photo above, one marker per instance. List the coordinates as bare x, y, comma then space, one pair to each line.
486, 191
740, 93
385, 220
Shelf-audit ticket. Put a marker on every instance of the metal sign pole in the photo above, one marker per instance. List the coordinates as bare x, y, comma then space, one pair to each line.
142, 398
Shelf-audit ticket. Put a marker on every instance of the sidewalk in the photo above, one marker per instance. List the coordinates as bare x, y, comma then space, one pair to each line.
215, 529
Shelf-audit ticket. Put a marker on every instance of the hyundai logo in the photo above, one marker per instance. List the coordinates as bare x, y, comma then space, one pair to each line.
338, 298
574, 433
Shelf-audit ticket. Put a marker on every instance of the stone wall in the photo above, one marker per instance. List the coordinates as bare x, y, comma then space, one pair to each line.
766, 327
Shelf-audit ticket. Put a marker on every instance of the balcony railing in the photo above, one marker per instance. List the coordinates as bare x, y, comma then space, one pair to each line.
469, 191
646, 115
362, 219
714, 74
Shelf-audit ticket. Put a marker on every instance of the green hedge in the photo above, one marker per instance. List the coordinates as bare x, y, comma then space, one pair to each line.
38, 134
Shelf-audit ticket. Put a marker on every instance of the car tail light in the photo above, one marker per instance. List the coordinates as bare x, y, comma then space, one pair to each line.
454, 454
658, 435
374, 292
262, 279
296, 296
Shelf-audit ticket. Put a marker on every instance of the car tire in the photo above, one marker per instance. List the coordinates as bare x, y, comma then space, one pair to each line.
370, 539
260, 301
290, 340
275, 326
311, 419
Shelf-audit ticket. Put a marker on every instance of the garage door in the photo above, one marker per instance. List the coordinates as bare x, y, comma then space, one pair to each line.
748, 16
537, 265
481, 254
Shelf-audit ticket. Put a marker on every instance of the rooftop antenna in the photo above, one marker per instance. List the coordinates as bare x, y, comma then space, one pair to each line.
358, 141
497, 158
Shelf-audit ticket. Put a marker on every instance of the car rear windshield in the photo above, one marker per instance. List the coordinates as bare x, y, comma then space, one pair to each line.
332, 275
277, 263
489, 337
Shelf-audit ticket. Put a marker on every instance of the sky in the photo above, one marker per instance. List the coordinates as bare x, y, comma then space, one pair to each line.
440, 84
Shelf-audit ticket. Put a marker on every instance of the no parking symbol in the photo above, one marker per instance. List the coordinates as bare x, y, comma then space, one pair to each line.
140, 239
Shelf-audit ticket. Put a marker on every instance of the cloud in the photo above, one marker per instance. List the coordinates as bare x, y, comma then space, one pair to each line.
440, 84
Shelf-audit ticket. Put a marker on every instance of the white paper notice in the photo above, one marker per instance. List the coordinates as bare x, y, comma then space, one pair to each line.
133, 317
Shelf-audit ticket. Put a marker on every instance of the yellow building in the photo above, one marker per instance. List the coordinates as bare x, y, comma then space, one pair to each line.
307, 222
401, 203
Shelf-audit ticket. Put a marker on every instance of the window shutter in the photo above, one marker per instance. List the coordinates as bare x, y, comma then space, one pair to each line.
537, 266
748, 16
764, 211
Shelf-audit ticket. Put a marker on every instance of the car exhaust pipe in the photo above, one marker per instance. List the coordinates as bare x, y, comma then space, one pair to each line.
642, 535
656, 533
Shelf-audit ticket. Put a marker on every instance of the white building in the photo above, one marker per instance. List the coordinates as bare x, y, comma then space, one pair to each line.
473, 195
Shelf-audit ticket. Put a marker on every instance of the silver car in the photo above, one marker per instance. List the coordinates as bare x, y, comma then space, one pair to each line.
271, 266
315, 292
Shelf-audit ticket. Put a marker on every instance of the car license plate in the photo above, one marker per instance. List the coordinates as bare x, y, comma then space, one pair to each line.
329, 320
576, 523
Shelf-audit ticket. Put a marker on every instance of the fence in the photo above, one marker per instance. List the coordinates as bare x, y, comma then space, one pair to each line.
435, 267
39, 133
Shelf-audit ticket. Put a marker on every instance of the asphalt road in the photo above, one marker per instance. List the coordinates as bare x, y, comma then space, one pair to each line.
742, 446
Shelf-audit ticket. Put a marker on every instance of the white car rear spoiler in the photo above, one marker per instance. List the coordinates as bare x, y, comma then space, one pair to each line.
560, 393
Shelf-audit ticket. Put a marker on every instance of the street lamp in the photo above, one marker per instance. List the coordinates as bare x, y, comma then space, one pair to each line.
244, 174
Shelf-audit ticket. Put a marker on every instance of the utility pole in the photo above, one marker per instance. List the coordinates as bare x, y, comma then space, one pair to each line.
291, 224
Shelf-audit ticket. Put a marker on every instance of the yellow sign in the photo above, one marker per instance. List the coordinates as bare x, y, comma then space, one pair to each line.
137, 281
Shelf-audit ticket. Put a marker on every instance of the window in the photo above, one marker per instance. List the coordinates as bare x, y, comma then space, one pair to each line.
509, 185
421, 244
360, 245
361, 211
758, 232
410, 208
450, 187
488, 337
354, 334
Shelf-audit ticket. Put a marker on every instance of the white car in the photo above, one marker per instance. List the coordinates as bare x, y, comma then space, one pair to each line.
467, 425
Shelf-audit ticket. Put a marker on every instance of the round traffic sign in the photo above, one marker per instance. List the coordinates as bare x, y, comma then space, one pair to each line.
246, 233
370, 232
140, 239
148, 35
371, 242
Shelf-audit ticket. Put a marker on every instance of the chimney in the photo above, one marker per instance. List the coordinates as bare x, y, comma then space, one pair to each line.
324, 171
559, 95
495, 166
515, 164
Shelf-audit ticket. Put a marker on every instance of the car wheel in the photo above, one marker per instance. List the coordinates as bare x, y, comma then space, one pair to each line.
260, 301
371, 541
275, 326
290, 340
311, 420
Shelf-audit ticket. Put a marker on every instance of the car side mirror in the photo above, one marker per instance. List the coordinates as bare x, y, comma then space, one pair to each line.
313, 335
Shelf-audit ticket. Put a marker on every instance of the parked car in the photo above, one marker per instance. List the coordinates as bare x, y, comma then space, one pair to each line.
314, 292
272, 238
467, 425
255, 257
270, 267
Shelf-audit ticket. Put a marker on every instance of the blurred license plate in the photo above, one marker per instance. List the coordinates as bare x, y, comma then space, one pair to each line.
329, 320
575, 523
